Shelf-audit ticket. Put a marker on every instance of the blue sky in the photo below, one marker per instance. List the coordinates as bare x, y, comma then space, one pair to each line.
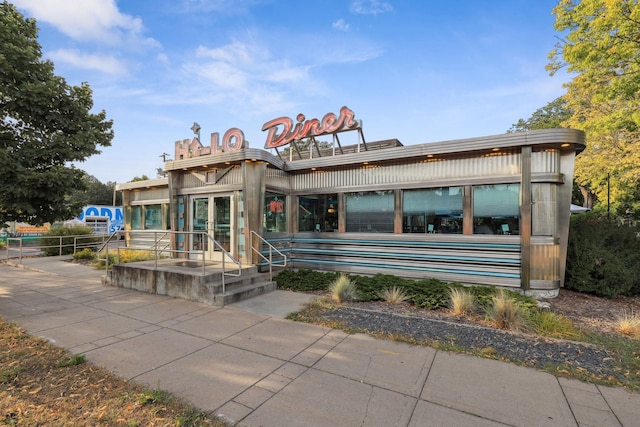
419, 71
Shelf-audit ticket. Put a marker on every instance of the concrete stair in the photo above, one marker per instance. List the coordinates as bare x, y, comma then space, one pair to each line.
186, 280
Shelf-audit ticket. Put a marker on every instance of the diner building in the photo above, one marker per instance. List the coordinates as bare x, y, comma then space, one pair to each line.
491, 210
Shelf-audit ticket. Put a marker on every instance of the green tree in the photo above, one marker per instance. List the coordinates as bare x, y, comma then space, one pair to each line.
95, 193
551, 116
601, 48
46, 124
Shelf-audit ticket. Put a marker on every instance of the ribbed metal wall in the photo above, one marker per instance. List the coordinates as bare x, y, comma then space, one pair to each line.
277, 179
150, 194
547, 161
545, 264
205, 179
395, 174
465, 259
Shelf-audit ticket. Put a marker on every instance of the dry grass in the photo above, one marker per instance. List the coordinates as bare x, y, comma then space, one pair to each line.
628, 324
461, 301
343, 289
41, 384
394, 295
505, 313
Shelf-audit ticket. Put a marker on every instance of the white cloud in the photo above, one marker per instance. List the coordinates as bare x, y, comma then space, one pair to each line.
88, 20
163, 58
103, 63
341, 25
370, 7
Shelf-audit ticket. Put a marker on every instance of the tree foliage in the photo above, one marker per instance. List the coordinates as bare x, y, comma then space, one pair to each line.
45, 125
602, 48
95, 193
551, 116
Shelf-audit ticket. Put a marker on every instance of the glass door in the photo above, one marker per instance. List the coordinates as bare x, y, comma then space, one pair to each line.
214, 216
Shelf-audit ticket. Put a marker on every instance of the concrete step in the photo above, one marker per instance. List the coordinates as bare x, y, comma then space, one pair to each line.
242, 293
232, 282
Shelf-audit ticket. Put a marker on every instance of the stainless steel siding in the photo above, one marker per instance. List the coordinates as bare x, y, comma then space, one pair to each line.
545, 161
395, 174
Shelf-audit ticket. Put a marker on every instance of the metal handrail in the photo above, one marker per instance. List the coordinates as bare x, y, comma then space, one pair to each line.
89, 242
158, 250
225, 254
271, 250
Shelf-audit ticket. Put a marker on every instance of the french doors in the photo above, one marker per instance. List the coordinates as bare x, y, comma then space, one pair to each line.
215, 216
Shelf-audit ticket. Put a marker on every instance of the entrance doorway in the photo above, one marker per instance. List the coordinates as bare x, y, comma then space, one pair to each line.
215, 216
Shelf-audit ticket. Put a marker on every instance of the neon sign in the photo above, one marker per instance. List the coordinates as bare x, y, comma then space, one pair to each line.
281, 131
305, 129
233, 140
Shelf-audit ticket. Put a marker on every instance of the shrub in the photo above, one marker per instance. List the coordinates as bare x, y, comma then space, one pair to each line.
305, 280
431, 294
628, 324
461, 301
343, 289
394, 295
505, 313
603, 258
65, 237
86, 253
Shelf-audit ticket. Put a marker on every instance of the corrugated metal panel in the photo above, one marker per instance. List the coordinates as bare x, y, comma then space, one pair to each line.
544, 262
544, 209
545, 161
490, 261
399, 173
277, 179
150, 194
228, 176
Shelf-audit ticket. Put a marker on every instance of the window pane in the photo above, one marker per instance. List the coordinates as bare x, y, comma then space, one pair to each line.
370, 212
496, 209
434, 210
318, 213
274, 218
153, 217
136, 218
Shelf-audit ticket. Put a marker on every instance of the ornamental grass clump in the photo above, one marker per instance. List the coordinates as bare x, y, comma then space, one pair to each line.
628, 324
394, 295
343, 289
550, 324
461, 301
505, 313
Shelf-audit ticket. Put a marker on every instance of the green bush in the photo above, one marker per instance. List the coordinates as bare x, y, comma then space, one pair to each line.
50, 241
86, 253
603, 258
305, 280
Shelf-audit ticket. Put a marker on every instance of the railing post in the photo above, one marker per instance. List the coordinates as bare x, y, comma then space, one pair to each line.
224, 289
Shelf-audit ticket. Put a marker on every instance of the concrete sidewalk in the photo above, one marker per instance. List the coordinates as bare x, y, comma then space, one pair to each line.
247, 364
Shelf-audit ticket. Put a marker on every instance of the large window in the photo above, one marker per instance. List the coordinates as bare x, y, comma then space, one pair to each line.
318, 213
369, 212
274, 218
153, 217
496, 209
136, 217
434, 210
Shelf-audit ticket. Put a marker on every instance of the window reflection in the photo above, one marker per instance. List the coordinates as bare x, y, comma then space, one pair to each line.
496, 209
370, 212
274, 218
153, 217
318, 213
434, 210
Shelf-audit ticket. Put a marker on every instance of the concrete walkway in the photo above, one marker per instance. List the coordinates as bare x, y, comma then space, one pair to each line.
247, 364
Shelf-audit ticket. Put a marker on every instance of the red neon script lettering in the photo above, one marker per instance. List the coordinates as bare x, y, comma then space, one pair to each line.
304, 129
